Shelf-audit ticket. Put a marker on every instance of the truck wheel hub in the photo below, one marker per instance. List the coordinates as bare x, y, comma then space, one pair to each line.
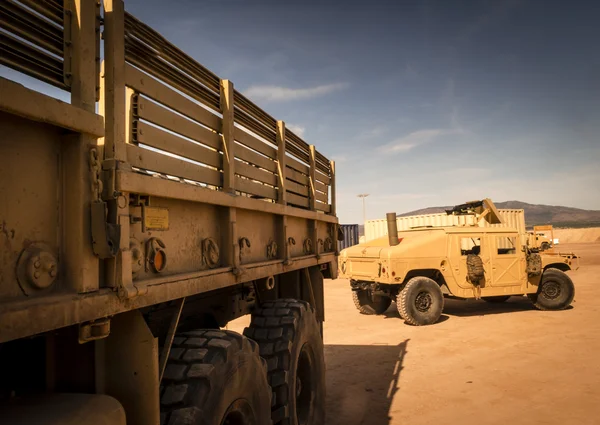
423, 301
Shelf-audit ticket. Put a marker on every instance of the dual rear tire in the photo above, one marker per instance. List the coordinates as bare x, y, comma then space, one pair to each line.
273, 374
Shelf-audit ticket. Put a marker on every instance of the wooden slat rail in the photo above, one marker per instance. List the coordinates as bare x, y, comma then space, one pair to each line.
252, 142
252, 157
296, 176
253, 188
146, 59
31, 27
296, 165
254, 173
297, 188
320, 186
163, 94
50, 9
322, 197
157, 162
297, 200
162, 117
323, 207
165, 77
152, 136
168, 52
322, 178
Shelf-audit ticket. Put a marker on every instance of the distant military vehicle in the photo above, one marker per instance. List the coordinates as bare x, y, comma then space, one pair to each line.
418, 267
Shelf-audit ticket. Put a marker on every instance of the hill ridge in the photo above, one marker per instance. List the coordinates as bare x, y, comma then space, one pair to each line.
536, 214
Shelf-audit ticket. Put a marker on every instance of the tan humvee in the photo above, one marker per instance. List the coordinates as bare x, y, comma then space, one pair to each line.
420, 266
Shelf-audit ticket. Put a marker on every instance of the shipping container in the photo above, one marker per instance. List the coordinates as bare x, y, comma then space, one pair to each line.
378, 228
351, 236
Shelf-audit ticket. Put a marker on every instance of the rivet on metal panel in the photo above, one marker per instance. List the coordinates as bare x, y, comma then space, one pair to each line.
210, 252
36, 268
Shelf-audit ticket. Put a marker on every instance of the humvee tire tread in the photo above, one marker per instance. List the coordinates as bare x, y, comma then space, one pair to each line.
207, 371
282, 328
566, 296
365, 304
406, 298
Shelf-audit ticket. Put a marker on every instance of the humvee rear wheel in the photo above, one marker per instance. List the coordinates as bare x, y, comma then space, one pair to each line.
555, 291
367, 303
289, 337
214, 378
497, 299
420, 302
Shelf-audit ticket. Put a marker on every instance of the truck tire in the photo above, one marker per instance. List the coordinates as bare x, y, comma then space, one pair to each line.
420, 302
366, 303
288, 334
496, 300
555, 291
214, 377
544, 246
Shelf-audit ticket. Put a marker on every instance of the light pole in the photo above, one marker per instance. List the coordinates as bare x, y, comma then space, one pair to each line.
363, 196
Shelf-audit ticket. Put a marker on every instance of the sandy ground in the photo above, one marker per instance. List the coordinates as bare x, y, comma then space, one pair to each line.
569, 236
481, 364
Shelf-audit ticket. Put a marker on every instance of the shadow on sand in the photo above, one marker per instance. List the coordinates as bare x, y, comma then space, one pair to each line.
471, 307
357, 392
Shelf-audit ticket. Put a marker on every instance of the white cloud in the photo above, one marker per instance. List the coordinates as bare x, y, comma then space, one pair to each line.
298, 130
282, 94
417, 138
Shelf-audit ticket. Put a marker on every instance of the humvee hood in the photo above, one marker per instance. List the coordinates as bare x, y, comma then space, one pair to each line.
409, 240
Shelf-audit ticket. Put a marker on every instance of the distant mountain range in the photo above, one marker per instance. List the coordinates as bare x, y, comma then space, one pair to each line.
537, 214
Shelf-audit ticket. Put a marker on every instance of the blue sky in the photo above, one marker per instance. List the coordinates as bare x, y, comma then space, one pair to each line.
421, 103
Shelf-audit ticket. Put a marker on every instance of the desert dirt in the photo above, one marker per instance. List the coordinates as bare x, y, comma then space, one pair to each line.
481, 364
570, 236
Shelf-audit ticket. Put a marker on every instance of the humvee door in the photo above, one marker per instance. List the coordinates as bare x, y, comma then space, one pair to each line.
461, 245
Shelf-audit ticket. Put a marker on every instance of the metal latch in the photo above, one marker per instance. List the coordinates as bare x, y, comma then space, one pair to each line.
94, 330
105, 235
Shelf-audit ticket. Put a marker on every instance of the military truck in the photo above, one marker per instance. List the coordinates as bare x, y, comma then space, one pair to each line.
539, 239
419, 267
137, 220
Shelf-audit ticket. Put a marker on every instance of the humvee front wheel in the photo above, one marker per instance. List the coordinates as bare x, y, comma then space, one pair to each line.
420, 302
496, 300
367, 303
215, 377
555, 291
